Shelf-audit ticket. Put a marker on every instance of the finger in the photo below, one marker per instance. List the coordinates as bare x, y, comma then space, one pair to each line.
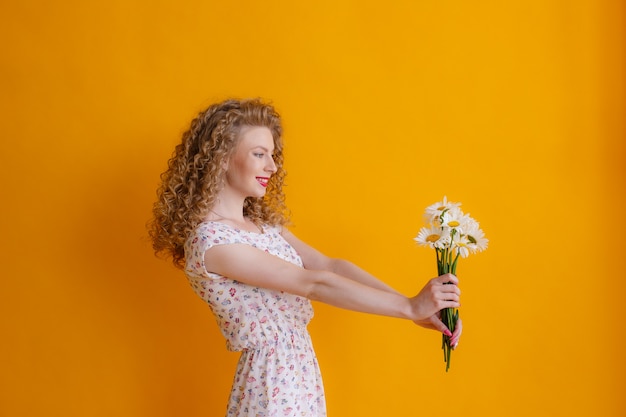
448, 296
448, 292
448, 304
450, 288
425, 324
456, 335
438, 324
448, 278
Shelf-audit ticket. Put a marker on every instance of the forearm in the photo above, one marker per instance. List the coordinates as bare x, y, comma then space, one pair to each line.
345, 292
349, 270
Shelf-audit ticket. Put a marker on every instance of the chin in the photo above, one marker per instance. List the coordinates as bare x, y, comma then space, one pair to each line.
258, 194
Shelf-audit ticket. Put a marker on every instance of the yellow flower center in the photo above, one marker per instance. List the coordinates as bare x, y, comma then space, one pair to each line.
432, 238
453, 223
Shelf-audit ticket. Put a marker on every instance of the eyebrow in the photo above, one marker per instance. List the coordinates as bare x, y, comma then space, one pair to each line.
263, 148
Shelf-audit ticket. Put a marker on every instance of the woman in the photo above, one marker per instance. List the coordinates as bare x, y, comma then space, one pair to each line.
220, 215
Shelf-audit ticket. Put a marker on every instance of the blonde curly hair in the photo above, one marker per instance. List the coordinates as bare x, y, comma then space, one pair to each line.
195, 175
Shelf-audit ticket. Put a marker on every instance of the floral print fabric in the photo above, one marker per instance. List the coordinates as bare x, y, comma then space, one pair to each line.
277, 373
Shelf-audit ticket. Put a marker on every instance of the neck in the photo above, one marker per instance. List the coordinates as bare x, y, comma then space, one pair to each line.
227, 207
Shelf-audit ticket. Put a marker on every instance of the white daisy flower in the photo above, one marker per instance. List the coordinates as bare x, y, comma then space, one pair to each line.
433, 236
476, 237
433, 212
463, 246
454, 219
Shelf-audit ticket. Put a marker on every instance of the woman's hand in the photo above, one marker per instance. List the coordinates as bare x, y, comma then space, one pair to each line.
439, 293
429, 323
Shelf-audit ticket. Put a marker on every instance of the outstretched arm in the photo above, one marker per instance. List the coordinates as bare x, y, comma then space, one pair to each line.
314, 259
255, 267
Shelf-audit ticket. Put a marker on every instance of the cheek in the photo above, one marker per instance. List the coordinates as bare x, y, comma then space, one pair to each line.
238, 168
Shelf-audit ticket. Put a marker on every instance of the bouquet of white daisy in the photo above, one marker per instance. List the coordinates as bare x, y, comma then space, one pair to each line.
452, 234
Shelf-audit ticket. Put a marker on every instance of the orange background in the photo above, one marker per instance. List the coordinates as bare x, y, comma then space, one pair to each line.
513, 108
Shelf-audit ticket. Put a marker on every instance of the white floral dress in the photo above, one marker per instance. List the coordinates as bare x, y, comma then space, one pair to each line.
277, 373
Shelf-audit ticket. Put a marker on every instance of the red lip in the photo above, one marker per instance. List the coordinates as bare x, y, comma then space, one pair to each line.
263, 181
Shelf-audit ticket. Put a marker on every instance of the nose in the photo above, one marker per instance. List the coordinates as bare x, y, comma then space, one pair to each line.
270, 166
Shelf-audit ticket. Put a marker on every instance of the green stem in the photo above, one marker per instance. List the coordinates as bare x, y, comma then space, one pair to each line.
446, 263
449, 316
439, 262
453, 266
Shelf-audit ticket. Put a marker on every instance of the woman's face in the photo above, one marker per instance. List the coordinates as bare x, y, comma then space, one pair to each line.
252, 164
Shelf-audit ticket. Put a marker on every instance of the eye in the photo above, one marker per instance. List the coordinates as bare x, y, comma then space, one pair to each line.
259, 155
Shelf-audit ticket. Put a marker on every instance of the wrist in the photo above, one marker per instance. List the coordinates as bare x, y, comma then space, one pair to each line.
409, 310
